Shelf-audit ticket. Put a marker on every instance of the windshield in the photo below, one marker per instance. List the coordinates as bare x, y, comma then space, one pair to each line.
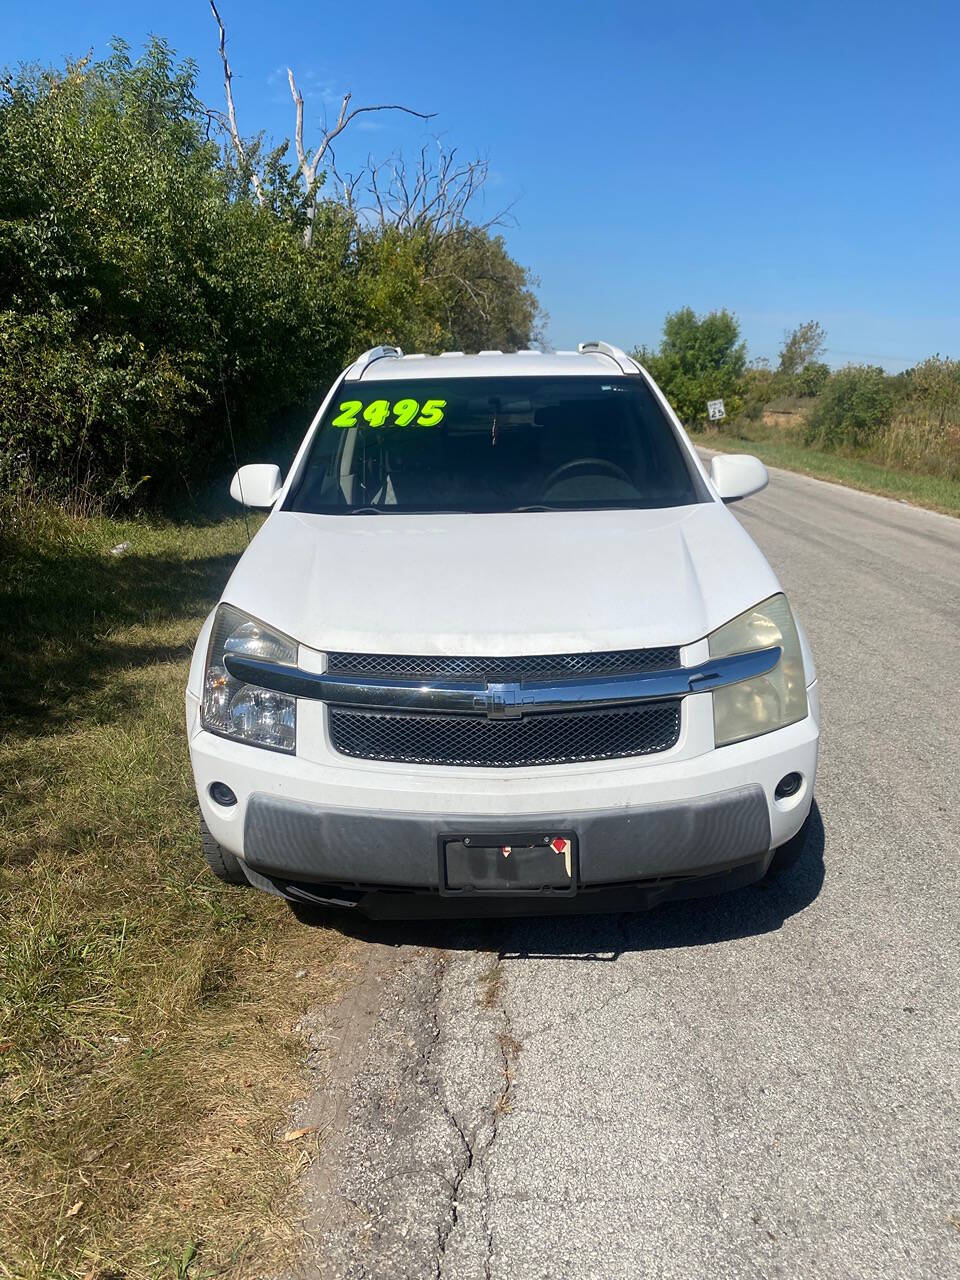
494, 444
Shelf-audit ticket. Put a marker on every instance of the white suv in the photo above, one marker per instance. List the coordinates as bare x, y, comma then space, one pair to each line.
500, 642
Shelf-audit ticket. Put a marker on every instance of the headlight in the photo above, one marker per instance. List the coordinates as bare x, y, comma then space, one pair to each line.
244, 711
767, 702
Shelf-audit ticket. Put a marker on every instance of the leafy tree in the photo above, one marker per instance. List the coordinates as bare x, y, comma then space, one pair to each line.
145, 290
801, 346
700, 358
433, 293
800, 371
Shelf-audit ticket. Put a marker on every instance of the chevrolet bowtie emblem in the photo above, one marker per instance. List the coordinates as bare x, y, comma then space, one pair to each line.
500, 701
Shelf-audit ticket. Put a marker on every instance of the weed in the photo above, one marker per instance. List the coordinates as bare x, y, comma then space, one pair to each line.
147, 1013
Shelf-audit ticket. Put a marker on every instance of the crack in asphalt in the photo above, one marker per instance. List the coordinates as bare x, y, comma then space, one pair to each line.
407, 1191
477, 1140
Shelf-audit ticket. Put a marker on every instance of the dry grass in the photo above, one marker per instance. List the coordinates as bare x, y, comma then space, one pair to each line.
921, 443
875, 472
148, 1051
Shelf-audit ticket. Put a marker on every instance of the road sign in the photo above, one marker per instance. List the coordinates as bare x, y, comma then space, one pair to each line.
715, 410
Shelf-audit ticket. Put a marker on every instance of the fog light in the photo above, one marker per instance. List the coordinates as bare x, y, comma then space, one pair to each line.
788, 786
220, 793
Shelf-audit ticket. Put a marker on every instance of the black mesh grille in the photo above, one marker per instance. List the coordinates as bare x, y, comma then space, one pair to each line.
538, 739
543, 667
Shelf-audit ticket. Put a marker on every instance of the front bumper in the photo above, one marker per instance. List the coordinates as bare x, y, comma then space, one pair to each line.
290, 840
655, 823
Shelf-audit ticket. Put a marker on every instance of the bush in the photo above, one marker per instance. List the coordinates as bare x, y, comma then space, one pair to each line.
854, 409
701, 358
808, 381
925, 433
934, 390
143, 293
758, 388
134, 293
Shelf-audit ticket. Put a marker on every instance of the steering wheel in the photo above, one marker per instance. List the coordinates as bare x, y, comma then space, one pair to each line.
593, 464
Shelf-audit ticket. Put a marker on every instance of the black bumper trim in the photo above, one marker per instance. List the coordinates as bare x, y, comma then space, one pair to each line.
293, 840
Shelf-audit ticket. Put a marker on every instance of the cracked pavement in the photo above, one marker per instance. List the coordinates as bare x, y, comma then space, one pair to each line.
764, 1084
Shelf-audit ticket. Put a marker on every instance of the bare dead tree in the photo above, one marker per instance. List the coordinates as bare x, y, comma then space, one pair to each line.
309, 166
232, 115
436, 197
308, 161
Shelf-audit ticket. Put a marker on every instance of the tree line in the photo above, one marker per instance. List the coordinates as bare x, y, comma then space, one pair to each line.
174, 290
165, 280
909, 419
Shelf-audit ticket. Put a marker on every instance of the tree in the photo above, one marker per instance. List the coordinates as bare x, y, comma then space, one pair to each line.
309, 159
800, 371
146, 290
801, 346
854, 409
700, 358
430, 267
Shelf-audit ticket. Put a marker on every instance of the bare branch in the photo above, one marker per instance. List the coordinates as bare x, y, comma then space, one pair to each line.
309, 168
344, 118
345, 184
298, 104
437, 199
232, 115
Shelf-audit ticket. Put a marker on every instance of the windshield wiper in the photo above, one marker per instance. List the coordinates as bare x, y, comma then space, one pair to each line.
535, 506
404, 511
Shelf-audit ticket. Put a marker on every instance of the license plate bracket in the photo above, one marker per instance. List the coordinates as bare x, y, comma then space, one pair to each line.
508, 864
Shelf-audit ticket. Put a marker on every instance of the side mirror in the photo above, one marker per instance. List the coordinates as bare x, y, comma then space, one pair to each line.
257, 484
737, 475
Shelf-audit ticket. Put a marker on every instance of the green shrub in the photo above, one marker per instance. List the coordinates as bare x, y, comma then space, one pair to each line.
758, 387
854, 409
808, 381
933, 388
700, 358
144, 294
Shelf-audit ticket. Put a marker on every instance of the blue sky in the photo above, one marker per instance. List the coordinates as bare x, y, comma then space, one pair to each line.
789, 162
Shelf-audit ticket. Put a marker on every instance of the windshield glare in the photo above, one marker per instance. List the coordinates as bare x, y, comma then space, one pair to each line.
495, 444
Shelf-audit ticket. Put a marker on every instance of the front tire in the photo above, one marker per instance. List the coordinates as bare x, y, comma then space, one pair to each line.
789, 854
223, 864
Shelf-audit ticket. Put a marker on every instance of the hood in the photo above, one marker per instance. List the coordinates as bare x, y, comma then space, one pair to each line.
525, 583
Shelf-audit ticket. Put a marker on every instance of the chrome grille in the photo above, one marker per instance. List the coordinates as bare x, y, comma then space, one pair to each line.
555, 738
540, 667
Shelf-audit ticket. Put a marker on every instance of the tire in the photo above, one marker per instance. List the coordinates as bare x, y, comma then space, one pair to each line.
789, 854
223, 864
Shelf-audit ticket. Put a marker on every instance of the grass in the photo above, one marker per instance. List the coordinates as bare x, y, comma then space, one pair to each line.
938, 492
148, 1052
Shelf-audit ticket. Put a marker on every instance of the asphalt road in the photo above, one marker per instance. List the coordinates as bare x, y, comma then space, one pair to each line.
760, 1085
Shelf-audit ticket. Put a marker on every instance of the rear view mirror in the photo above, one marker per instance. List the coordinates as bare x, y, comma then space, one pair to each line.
737, 475
257, 484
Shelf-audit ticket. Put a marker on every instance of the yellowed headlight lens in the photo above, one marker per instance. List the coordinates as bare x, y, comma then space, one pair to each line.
767, 702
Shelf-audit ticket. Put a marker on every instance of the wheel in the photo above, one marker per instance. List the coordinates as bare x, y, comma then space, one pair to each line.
223, 864
790, 853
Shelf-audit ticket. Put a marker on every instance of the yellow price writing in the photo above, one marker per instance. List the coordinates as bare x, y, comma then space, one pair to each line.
381, 413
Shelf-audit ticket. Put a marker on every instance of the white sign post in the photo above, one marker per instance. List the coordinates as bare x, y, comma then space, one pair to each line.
716, 411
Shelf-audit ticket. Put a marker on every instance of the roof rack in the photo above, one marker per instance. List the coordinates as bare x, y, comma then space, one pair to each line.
626, 363
375, 353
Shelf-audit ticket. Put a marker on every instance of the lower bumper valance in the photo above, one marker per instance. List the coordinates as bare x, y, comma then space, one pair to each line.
312, 843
